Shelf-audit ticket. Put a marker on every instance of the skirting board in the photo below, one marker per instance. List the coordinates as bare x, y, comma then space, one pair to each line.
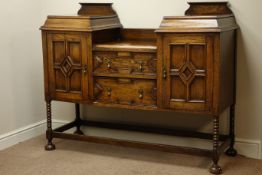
25, 133
22, 134
248, 148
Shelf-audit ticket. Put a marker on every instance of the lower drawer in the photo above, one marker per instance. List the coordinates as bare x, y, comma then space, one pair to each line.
133, 92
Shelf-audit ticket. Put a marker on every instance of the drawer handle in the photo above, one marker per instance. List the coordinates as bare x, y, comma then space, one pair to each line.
109, 63
141, 65
141, 93
109, 92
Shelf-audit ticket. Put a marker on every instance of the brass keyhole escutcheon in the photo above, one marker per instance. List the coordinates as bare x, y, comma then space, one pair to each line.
164, 73
84, 69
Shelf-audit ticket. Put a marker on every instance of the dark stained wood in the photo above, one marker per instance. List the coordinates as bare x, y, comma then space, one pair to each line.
78, 119
89, 52
138, 34
81, 23
65, 127
227, 72
46, 69
197, 24
67, 65
96, 9
134, 144
151, 129
215, 168
224, 146
187, 65
161, 72
128, 46
91, 17
49, 132
207, 8
125, 91
125, 64
231, 151
126, 74
108, 35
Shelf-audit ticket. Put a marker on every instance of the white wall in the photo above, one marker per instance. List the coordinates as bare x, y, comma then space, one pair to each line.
21, 74
21, 62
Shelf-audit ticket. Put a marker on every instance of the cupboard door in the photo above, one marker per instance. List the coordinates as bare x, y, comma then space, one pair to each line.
188, 72
67, 63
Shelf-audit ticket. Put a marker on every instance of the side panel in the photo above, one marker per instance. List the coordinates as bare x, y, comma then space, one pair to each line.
227, 70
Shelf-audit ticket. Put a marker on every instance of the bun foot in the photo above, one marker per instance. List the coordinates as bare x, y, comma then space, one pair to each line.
79, 132
50, 147
231, 152
215, 169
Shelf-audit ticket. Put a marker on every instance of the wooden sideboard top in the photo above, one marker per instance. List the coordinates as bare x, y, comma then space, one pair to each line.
201, 17
213, 23
91, 17
208, 8
96, 9
127, 45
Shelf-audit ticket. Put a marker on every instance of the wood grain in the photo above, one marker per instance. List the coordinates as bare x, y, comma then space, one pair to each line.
187, 65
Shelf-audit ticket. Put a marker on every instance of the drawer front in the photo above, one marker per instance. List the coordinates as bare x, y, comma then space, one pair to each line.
128, 64
135, 92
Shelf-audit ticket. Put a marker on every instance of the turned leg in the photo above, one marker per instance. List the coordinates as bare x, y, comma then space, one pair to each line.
50, 146
215, 168
78, 120
231, 151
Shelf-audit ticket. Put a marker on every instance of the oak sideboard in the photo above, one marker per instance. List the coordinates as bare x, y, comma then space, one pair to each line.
187, 65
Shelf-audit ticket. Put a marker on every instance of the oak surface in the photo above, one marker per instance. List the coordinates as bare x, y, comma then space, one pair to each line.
186, 65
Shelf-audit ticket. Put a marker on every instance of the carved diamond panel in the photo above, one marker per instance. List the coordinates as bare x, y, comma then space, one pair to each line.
183, 67
187, 72
66, 66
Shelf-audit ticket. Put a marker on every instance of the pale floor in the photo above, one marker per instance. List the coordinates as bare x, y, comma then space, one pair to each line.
81, 158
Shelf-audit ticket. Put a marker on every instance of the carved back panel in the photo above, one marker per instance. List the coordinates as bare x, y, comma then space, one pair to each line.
67, 66
188, 63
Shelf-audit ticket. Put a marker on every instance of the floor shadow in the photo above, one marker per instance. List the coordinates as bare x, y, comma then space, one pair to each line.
134, 154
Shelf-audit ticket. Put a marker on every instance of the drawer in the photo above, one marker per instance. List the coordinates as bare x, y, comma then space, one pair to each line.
125, 91
124, 64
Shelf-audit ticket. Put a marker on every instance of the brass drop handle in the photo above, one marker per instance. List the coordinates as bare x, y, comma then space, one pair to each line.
109, 92
84, 69
141, 93
164, 73
141, 64
109, 64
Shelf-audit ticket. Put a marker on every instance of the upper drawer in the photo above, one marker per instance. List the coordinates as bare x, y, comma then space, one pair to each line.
125, 64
